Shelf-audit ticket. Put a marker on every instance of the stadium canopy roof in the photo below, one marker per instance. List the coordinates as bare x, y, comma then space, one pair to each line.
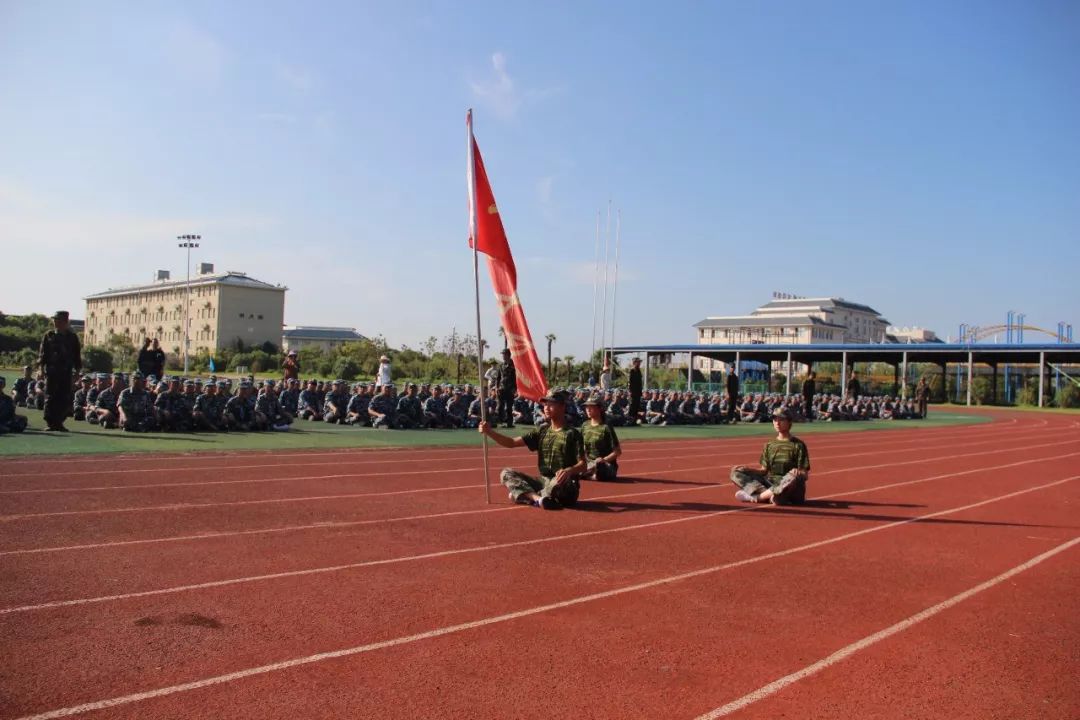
940, 353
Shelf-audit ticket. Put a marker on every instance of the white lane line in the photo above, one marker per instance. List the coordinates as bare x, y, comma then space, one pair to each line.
213, 535
849, 650
636, 457
750, 439
485, 548
497, 619
348, 496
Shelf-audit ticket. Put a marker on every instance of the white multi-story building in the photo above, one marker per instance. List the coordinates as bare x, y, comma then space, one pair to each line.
911, 335
223, 308
790, 320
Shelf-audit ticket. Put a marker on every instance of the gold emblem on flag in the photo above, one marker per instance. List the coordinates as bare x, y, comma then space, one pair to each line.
492, 210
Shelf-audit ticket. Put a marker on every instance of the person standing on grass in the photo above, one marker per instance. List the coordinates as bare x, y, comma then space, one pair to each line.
60, 357
383, 376
636, 386
560, 451
602, 449
782, 472
922, 395
809, 389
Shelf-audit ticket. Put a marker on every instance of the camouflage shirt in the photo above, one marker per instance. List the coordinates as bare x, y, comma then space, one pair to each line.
384, 405
410, 407
358, 404
240, 410
336, 402
555, 449
289, 400
781, 456
267, 404
136, 404
212, 406
309, 400
600, 440
106, 400
7, 409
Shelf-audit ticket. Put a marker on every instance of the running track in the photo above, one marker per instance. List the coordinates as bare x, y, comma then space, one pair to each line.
934, 574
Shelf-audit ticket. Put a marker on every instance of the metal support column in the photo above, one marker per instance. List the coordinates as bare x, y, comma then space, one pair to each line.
843, 374
993, 384
970, 354
690, 373
645, 375
903, 381
738, 369
787, 386
1042, 376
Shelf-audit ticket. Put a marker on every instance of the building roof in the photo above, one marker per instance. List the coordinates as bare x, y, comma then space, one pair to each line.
827, 303
316, 332
748, 321
231, 278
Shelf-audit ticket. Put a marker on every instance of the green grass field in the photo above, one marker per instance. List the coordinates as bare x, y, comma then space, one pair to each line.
91, 439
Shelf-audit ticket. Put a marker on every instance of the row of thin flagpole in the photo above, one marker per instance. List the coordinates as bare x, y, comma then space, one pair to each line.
610, 280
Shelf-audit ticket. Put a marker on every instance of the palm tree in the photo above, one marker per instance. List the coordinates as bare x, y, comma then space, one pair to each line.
569, 359
502, 333
550, 337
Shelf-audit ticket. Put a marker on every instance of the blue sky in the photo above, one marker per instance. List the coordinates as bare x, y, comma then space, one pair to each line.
923, 158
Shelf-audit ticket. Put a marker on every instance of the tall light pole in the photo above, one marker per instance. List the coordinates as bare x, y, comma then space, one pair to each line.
188, 242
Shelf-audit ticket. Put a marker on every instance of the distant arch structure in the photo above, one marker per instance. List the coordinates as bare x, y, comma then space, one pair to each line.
975, 334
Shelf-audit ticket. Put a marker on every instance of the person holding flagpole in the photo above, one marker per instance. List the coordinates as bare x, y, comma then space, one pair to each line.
560, 456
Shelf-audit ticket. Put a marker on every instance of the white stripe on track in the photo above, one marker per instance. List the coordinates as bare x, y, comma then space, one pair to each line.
457, 513
859, 645
349, 496
484, 548
636, 457
750, 439
507, 617
197, 456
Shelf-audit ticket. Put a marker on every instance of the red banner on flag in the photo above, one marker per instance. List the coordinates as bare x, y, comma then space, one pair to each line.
491, 240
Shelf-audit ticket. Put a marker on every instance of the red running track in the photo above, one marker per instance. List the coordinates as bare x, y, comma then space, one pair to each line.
932, 575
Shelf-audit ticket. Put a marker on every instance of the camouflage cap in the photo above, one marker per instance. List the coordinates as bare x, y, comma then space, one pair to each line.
557, 396
189, 383
137, 375
781, 413
220, 384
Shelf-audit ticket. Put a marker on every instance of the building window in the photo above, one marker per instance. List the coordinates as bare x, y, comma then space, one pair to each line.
260, 317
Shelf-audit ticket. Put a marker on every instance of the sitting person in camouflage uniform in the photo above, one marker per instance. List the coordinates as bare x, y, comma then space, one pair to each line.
21, 388
289, 398
560, 453
9, 421
239, 414
337, 400
268, 413
602, 449
781, 474
308, 405
105, 409
78, 403
356, 412
210, 407
167, 405
435, 414
136, 406
409, 410
383, 408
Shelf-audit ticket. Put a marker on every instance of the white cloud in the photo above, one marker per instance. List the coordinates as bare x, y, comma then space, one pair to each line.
296, 78
501, 93
194, 54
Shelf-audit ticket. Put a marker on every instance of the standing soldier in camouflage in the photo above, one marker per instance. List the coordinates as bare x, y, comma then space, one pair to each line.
922, 396
560, 451
60, 357
136, 406
383, 408
9, 421
781, 474
410, 412
507, 389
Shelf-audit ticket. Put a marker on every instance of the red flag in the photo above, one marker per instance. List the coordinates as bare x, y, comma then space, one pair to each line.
491, 240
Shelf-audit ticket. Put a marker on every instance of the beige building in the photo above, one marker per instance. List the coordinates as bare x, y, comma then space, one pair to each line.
911, 335
791, 320
224, 307
295, 337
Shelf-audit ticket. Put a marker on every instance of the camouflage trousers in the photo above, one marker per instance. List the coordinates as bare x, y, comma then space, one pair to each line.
602, 471
518, 483
757, 483
16, 425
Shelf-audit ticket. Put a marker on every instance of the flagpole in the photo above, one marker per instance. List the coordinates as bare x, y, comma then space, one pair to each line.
595, 286
615, 281
476, 288
607, 263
